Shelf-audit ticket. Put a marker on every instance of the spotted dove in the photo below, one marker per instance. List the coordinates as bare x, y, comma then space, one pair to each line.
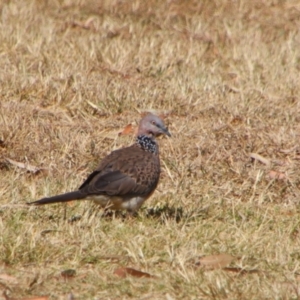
126, 177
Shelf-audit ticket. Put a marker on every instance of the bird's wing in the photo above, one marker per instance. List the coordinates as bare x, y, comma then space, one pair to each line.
128, 171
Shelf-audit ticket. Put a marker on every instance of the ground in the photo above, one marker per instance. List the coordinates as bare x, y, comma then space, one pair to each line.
224, 75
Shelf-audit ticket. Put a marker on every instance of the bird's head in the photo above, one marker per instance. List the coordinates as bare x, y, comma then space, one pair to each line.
152, 126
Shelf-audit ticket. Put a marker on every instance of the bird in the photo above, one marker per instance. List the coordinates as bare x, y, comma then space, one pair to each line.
126, 177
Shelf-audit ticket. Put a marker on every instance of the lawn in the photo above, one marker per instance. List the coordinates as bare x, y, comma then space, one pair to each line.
224, 220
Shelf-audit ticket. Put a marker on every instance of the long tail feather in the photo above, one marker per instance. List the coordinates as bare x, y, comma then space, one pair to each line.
77, 195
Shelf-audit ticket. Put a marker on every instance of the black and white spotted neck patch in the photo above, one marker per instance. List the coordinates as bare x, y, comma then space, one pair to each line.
147, 144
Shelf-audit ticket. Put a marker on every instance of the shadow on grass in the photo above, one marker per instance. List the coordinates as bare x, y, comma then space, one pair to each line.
165, 213
161, 213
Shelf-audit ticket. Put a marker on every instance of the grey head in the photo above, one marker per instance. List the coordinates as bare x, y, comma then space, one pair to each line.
152, 126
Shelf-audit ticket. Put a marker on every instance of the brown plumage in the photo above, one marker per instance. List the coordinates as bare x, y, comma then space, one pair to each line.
126, 177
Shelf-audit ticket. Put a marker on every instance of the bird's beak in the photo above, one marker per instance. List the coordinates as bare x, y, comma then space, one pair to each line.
165, 131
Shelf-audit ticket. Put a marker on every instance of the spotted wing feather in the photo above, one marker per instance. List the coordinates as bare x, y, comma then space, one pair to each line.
124, 172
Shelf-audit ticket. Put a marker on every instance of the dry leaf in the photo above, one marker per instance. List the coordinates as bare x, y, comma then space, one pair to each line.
123, 272
215, 261
87, 25
236, 120
69, 273
128, 129
276, 175
26, 166
288, 213
8, 278
260, 158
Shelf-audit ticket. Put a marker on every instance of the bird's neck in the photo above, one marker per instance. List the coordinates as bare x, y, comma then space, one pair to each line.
147, 143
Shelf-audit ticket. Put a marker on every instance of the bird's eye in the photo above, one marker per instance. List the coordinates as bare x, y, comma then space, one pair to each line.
153, 123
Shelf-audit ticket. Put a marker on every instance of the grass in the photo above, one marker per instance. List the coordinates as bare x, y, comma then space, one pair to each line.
226, 73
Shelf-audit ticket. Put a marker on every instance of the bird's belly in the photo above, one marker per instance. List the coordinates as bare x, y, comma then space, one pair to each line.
116, 203
133, 204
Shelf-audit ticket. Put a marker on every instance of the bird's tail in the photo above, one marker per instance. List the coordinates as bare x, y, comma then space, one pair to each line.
77, 195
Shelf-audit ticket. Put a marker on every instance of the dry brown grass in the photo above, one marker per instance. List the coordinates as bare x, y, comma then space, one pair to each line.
74, 73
